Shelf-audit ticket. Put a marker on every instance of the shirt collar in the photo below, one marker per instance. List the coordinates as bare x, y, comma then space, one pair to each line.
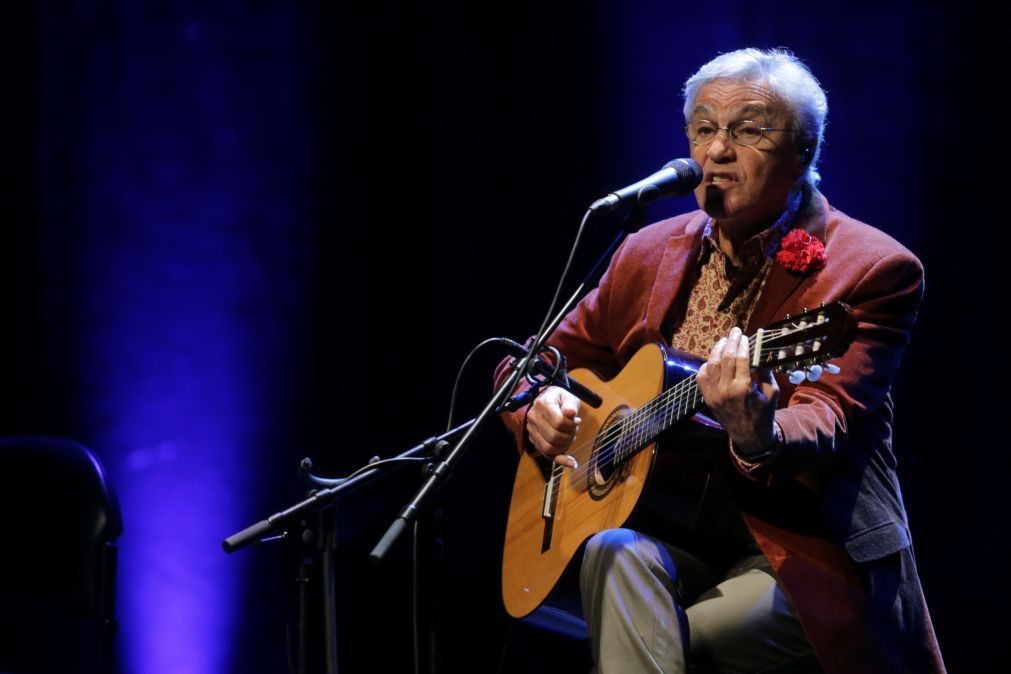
762, 245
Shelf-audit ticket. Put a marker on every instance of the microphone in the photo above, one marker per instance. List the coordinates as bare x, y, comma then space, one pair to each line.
679, 176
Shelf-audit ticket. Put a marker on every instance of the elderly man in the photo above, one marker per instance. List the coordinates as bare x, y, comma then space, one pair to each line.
800, 543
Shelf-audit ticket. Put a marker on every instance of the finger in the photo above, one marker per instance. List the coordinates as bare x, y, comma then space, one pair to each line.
702, 379
552, 438
549, 444
743, 359
545, 411
569, 405
562, 423
566, 460
728, 358
716, 355
555, 429
538, 442
767, 384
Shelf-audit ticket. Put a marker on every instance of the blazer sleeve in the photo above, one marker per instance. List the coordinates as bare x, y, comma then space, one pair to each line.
819, 419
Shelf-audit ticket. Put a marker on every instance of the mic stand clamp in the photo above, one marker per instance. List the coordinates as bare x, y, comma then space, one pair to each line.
548, 375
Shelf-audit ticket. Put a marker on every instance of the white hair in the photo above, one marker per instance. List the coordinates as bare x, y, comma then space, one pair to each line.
787, 78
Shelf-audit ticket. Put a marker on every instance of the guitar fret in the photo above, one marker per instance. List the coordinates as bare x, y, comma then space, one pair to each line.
620, 441
636, 432
639, 433
643, 438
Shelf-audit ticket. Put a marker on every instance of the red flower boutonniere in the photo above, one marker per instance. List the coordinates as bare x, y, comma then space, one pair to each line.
800, 252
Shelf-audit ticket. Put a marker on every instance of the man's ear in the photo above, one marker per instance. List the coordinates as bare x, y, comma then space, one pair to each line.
806, 153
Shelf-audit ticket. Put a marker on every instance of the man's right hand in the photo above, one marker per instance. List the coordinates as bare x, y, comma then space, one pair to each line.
552, 423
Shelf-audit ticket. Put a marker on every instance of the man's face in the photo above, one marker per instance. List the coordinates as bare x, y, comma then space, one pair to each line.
745, 187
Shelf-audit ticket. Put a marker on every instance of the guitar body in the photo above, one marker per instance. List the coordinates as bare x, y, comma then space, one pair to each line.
594, 497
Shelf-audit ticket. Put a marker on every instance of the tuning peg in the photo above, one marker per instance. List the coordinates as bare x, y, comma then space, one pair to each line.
831, 369
797, 376
814, 372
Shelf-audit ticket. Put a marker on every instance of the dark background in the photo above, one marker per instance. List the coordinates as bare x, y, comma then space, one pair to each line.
239, 233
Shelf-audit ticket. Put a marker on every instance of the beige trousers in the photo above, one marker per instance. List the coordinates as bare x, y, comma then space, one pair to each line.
634, 587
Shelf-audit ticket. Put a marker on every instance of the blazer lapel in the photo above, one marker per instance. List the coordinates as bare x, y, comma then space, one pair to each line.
778, 288
782, 283
678, 258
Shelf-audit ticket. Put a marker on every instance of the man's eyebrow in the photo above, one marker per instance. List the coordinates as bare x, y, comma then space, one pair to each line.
746, 109
753, 108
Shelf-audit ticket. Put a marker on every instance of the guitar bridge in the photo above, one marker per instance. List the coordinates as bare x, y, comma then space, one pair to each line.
551, 493
549, 505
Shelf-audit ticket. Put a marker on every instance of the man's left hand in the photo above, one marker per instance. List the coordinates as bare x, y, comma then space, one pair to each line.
743, 403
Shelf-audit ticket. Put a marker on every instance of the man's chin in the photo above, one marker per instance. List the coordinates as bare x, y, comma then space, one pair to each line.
713, 202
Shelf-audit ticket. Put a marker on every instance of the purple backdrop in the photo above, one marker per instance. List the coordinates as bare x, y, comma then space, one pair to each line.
241, 233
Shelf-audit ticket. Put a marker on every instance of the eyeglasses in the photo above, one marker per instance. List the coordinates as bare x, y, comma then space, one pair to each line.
703, 132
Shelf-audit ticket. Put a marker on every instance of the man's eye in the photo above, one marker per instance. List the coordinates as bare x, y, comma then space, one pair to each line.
748, 131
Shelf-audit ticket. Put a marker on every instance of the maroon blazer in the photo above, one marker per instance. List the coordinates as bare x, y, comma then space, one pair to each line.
852, 578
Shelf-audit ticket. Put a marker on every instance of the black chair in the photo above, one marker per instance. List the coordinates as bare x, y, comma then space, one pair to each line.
58, 558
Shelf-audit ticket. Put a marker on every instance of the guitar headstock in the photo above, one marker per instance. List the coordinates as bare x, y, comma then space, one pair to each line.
805, 341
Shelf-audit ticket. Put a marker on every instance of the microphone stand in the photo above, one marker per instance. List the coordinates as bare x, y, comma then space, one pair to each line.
441, 463
498, 403
318, 501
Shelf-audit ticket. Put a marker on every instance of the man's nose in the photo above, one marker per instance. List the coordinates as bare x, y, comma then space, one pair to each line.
722, 147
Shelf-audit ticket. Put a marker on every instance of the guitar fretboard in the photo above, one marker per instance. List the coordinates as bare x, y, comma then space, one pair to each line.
640, 428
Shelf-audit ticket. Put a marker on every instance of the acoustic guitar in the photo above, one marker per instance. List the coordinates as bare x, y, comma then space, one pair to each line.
554, 509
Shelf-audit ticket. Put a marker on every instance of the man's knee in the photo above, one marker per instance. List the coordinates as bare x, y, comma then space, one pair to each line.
613, 550
623, 552
609, 544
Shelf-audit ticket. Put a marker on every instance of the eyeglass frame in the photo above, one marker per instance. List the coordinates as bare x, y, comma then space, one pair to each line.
730, 133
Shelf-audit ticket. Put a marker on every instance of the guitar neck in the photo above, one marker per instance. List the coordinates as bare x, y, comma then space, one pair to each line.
643, 426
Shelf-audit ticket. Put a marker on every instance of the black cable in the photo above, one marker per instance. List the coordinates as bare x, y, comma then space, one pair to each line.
382, 463
540, 337
565, 273
459, 376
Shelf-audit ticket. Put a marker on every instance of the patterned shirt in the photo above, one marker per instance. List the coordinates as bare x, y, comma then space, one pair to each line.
723, 295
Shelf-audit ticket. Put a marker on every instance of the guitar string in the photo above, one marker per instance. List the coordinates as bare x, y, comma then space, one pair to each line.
609, 441
653, 412
682, 387
614, 432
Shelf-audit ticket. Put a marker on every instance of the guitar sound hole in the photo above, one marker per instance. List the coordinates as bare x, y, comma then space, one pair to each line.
607, 462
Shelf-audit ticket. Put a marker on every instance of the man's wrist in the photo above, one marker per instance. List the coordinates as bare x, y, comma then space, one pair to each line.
763, 454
